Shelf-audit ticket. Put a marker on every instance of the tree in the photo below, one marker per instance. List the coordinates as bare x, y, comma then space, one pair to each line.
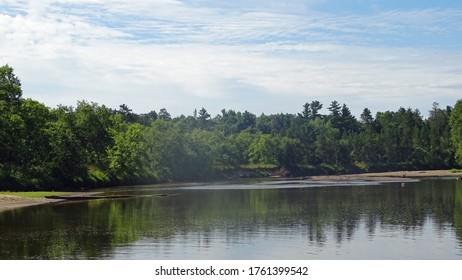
34, 149
164, 115
165, 150
311, 110
366, 146
315, 106
11, 127
127, 114
438, 140
400, 135
186, 124
304, 133
327, 142
226, 122
246, 120
334, 109
455, 122
11, 124
240, 144
366, 117
288, 152
172, 154
10, 86
280, 123
307, 113
263, 150
335, 114
347, 122
203, 118
148, 118
202, 150
263, 124
92, 124
67, 155
126, 155
366, 143
93, 144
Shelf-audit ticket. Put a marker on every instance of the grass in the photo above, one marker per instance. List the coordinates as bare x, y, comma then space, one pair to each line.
259, 166
455, 170
32, 194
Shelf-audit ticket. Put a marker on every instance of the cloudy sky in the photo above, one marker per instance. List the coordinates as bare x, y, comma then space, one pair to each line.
264, 56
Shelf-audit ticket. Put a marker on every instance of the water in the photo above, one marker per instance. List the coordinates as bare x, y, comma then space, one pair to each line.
247, 220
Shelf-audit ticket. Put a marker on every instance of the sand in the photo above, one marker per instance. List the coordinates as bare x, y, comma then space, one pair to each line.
391, 176
8, 202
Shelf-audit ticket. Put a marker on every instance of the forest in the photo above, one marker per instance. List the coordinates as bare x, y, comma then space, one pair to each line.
91, 145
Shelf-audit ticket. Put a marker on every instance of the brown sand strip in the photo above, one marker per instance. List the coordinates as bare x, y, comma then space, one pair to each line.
8, 202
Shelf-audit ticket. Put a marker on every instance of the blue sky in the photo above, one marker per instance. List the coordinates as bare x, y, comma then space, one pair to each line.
261, 56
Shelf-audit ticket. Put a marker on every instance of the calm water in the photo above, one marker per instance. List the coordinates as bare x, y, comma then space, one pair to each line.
259, 220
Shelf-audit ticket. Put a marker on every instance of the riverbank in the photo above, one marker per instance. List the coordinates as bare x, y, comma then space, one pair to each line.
11, 201
391, 176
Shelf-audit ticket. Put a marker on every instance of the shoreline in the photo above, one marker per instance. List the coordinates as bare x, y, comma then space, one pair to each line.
10, 202
390, 176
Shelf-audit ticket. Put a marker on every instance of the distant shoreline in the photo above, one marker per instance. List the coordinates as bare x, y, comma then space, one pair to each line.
9, 202
393, 175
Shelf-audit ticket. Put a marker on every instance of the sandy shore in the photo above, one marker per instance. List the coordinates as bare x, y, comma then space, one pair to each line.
8, 202
390, 176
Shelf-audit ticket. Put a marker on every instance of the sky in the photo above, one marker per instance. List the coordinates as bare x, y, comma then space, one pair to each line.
263, 56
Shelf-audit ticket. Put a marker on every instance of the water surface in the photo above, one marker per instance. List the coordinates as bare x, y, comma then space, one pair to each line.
247, 220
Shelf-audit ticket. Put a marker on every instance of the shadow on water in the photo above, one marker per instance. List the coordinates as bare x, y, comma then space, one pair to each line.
284, 220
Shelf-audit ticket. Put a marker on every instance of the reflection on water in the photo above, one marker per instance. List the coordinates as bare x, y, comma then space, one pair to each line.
270, 220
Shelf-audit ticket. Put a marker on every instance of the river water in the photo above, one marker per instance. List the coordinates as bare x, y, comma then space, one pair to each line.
246, 220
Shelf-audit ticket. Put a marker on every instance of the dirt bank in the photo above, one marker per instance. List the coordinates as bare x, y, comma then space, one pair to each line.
396, 175
8, 202
11, 201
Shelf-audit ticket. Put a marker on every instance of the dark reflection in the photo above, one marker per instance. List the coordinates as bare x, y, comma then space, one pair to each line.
321, 219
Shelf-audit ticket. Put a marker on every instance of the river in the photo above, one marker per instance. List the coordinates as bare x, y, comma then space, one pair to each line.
246, 220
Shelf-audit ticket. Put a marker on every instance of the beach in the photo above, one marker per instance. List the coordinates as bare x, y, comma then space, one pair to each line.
9, 202
391, 176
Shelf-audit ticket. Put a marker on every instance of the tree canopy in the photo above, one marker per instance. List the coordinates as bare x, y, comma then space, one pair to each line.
93, 145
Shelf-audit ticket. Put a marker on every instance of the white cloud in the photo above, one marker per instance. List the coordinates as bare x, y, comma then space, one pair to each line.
154, 54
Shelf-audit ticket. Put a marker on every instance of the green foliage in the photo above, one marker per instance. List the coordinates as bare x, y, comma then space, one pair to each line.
125, 156
10, 86
327, 146
164, 115
311, 110
262, 149
455, 122
67, 155
172, 154
92, 145
203, 119
96, 176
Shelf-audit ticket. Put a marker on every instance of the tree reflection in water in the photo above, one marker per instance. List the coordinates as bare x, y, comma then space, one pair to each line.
199, 218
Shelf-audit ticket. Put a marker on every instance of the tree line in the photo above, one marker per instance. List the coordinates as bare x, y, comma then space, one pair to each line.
93, 145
